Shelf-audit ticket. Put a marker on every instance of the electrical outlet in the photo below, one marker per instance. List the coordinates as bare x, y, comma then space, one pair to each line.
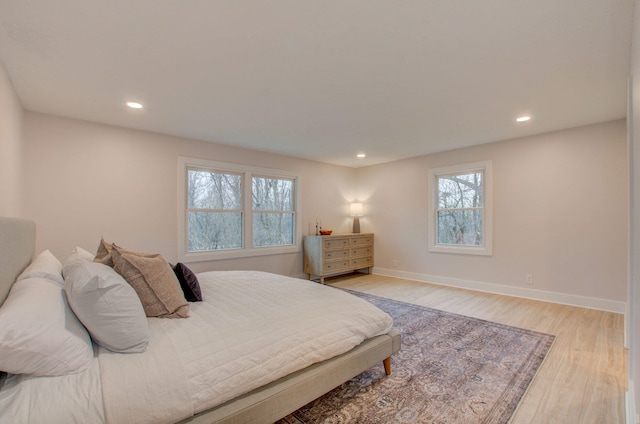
528, 279
395, 262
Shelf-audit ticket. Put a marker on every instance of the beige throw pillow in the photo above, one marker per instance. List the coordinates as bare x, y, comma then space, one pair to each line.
154, 281
103, 254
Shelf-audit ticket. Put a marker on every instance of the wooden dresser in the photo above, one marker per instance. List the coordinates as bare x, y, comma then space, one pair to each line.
335, 254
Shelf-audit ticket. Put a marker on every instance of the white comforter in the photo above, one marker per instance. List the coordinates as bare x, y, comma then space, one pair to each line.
252, 328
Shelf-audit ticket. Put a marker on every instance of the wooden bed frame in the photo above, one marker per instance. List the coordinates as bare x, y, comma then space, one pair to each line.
263, 405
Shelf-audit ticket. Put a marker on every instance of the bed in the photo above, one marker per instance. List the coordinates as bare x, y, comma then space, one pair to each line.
180, 377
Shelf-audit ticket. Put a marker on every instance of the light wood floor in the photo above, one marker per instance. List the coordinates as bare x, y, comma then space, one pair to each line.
584, 377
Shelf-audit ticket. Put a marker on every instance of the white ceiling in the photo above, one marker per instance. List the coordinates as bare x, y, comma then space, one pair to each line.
323, 79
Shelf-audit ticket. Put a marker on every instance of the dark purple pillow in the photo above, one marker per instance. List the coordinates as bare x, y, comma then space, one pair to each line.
188, 282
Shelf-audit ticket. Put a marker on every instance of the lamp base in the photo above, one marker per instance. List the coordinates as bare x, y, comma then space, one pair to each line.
356, 224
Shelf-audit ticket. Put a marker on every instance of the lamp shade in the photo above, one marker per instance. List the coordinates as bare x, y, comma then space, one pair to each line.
355, 209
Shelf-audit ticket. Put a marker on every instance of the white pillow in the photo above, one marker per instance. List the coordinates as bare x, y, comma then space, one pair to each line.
39, 333
78, 254
108, 307
45, 265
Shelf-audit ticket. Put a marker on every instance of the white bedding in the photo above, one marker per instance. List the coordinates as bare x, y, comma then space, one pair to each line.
252, 328
74, 398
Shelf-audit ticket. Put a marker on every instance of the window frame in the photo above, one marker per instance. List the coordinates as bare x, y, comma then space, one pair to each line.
486, 249
247, 249
291, 211
240, 211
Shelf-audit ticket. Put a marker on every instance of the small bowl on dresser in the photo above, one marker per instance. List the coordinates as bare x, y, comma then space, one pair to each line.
325, 232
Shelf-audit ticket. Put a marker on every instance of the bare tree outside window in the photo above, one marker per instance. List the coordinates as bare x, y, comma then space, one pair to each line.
214, 210
460, 216
460, 209
235, 211
273, 211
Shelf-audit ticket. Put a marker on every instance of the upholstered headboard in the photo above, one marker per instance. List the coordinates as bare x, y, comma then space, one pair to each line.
17, 247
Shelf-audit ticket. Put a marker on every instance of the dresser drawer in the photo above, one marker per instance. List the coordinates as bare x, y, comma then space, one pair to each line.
362, 241
335, 254
361, 251
361, 262
335, 266
335, 243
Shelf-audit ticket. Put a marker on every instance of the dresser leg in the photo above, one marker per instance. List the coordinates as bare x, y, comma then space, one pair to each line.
321, 280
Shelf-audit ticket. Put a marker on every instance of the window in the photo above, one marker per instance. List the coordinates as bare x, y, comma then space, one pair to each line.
214, 211
460, 218
234, 211
273, 213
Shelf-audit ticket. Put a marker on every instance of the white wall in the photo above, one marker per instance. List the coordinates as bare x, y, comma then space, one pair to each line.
86, 180
560, 214
10, 147
634, 281
553, 214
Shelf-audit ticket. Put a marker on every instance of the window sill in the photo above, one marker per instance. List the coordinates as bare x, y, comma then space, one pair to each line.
237, 253
462, 250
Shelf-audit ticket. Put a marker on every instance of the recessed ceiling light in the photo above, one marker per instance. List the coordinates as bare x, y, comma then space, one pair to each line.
361, 155
523, 118
134, 105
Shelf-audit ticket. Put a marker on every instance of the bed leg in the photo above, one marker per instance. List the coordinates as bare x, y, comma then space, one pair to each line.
387, 366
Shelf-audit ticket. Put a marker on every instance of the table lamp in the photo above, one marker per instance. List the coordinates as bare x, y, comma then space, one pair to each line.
356, 211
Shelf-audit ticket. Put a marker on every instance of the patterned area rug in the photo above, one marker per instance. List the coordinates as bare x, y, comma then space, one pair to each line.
451, 369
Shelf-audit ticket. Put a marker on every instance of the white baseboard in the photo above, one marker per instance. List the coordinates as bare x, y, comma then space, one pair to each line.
630, 404
523, 292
